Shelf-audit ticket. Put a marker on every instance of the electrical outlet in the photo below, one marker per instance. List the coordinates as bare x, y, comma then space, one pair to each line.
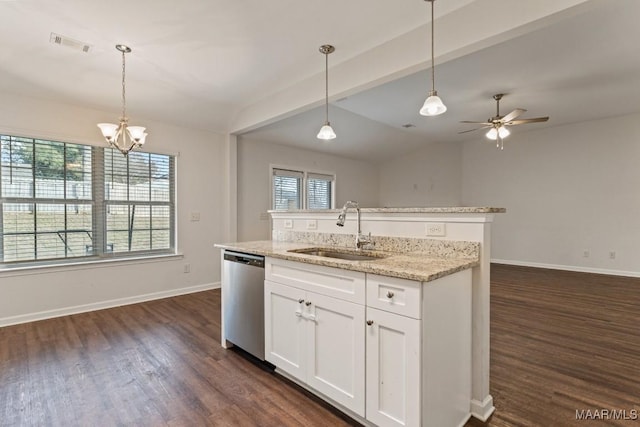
187, 268
585, 253
312, 224
612, 255
436, 229
195, 216
288, 223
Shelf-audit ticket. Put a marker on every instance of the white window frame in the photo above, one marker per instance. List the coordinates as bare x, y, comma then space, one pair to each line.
305, 175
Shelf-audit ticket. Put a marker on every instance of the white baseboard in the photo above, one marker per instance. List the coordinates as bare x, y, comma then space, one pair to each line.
568, 268
49, 314
482, 410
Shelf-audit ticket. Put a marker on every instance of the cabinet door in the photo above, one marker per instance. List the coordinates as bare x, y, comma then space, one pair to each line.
285, 344
393, 369
336, 350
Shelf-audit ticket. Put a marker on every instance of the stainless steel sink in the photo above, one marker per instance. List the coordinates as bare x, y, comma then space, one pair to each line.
339, 254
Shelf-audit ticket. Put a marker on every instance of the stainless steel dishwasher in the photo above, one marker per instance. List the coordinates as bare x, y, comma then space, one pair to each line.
243, 294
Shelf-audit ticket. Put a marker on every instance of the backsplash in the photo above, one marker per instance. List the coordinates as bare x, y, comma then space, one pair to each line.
430, 247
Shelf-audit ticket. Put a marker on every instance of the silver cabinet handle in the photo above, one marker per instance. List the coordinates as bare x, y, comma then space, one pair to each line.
369, 322
308, 303
300, 301
390, 294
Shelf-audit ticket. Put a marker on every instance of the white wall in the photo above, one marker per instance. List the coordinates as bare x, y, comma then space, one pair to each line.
567, 189
429, 177
200, 184
355, 180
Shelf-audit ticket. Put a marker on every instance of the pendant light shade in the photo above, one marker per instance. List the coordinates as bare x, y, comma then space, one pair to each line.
326, 131
433, 106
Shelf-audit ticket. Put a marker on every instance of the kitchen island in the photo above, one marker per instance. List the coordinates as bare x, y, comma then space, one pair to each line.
386, 340
433, 231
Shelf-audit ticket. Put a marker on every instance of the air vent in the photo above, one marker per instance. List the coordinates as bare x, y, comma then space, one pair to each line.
69, 42
408, 125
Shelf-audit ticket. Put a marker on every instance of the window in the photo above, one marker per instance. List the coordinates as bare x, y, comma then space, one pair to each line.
294, 189
319, 191
61, 200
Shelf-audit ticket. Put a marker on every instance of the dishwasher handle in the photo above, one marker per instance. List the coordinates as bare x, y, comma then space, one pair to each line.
242, 258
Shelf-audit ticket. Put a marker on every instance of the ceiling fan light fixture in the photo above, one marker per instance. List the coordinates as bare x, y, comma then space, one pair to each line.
326, 132
498, 131
433, 106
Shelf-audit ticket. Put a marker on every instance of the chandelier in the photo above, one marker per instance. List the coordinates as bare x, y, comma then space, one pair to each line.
123, 137
433, 106
326, 131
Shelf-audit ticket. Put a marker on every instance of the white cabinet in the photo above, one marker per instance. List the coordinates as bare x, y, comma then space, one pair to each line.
285, 328
418, 351
335, 343
393, 369
316, 338
409, 357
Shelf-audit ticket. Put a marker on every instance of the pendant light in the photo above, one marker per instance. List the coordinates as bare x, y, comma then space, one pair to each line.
326, 131
433, 106
123, 137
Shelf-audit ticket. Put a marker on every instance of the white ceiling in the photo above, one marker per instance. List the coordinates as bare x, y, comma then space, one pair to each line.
197, 63
582, 68
194, 62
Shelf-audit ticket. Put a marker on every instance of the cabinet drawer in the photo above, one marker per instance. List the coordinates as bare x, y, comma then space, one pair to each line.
343, 284
394, 295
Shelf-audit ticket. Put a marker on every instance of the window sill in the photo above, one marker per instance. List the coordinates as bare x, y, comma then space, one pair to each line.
84, 265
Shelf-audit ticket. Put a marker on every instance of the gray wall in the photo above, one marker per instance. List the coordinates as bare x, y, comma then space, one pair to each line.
355, 180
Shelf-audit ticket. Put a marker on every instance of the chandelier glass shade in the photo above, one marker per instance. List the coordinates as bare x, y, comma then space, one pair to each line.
123, 137
326, 131
433, 106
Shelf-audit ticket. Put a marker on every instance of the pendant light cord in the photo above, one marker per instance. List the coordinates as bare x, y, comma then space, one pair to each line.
326, 86
433, 63
124, 103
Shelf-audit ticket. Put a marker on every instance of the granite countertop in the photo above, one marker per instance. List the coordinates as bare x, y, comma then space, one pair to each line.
455, 209
410, 265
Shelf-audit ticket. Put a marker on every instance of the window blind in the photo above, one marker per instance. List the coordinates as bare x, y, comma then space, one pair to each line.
319, 188
46, 196
60, 200
287, 189
138, 198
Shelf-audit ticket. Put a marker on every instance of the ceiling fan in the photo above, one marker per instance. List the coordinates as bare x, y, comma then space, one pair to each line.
498, 124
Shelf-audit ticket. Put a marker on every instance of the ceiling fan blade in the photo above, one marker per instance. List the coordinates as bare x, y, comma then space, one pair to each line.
477, 123
471, 130
523, 121
512, 115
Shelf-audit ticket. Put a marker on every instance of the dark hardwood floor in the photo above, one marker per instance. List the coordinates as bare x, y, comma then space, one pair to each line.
561, 342
151, 364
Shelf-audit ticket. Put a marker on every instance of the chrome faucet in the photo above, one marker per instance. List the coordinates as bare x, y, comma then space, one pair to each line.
361, 239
